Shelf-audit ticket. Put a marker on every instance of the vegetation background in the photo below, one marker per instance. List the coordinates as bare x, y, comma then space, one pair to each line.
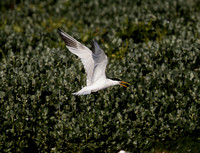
154, 45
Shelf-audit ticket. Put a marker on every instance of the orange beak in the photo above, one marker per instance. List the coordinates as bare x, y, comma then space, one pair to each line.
123, 84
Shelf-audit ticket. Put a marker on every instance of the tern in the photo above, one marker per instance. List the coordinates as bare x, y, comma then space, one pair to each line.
94, 62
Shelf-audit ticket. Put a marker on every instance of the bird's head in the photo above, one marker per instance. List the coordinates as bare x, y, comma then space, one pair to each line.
120, 82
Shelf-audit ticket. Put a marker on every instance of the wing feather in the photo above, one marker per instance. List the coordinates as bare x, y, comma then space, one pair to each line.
84, 53
100, 62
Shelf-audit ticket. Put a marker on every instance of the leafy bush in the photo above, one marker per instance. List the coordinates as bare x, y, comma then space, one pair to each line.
154, 45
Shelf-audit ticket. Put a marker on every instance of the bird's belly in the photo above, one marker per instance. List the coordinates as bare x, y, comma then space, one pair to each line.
95, 90
98, 86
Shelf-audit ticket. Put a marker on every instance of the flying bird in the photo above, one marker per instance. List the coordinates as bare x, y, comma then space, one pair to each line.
94, 62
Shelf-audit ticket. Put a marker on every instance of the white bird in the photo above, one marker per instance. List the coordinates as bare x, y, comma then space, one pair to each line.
94, 62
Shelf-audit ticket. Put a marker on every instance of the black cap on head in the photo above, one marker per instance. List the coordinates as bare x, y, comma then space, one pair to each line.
115, 79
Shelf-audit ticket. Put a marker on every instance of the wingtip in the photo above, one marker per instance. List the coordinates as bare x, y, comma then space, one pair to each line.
95, 45
94, 41
59, 30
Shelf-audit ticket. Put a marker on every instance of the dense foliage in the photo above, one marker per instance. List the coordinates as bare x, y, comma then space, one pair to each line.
154, 45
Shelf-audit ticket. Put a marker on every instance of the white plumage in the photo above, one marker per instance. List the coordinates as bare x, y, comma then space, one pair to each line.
94, 62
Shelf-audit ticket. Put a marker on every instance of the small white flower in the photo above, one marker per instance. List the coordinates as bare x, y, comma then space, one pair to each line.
122, 151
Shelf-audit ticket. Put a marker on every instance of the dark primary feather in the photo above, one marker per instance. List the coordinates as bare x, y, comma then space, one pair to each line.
67, 39
95, 45
98, 54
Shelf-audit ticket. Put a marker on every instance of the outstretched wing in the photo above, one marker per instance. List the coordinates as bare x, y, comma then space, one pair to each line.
84, 53
100, 62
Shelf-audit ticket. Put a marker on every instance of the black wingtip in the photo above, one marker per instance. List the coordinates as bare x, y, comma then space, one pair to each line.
59, 30
95, 45
94, 41
69, 41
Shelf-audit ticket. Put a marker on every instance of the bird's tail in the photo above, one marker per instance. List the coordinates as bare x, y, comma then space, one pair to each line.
83, 91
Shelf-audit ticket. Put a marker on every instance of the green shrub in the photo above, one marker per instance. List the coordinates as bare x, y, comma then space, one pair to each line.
154, 45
